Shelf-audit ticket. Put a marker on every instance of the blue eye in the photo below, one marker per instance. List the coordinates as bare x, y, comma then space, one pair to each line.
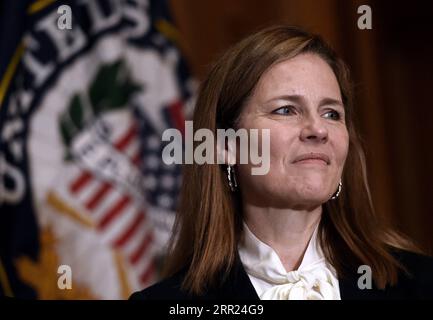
286, 110
335, 115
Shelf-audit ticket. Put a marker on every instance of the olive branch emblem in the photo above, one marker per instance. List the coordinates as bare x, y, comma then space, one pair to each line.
111, 89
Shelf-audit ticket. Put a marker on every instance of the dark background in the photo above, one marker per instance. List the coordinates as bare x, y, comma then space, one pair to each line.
393, 72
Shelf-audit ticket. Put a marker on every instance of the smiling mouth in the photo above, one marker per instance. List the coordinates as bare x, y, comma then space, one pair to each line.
313, 161
313, 157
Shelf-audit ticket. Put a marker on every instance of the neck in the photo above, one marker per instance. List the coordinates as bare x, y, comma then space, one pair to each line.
287, 231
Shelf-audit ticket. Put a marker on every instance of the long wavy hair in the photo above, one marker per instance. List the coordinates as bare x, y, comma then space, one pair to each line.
208, 224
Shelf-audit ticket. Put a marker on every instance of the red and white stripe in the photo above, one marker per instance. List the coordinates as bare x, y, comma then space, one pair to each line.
122, 223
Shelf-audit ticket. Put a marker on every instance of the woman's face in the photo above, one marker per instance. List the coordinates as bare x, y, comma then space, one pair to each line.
299, 100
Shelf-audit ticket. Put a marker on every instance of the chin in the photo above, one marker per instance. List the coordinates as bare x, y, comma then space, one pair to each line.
312, 196
299, 200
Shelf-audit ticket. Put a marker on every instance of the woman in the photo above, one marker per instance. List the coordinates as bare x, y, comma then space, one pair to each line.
306, 229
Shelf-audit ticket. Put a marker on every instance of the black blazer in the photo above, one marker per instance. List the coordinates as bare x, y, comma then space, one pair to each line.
237, 286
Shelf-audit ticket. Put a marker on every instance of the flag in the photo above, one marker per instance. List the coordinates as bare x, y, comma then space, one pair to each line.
86, 202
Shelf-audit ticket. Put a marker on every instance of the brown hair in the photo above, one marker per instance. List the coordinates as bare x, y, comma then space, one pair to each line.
209, 220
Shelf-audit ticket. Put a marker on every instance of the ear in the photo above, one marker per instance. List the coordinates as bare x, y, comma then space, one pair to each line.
226, 152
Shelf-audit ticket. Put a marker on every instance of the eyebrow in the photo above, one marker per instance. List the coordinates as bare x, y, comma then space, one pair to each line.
300, 99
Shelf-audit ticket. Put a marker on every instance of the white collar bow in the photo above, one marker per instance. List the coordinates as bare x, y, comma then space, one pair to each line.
313, 280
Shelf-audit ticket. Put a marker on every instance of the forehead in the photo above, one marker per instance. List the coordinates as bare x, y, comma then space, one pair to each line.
306, 74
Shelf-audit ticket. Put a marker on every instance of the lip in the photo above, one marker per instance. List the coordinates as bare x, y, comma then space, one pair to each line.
312, 157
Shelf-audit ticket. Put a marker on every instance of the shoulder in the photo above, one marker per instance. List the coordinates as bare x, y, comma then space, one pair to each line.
417, 262
230, 284
419, 272
167, 289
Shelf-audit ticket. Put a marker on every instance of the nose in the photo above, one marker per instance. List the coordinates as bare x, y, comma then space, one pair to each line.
313, 130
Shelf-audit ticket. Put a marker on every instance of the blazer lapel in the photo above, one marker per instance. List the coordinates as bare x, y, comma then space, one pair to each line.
237, 285
349, 289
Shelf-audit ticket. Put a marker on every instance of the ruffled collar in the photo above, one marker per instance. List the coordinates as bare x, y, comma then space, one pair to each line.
314, 279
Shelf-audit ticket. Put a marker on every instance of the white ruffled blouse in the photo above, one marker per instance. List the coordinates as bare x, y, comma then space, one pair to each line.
315, 279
